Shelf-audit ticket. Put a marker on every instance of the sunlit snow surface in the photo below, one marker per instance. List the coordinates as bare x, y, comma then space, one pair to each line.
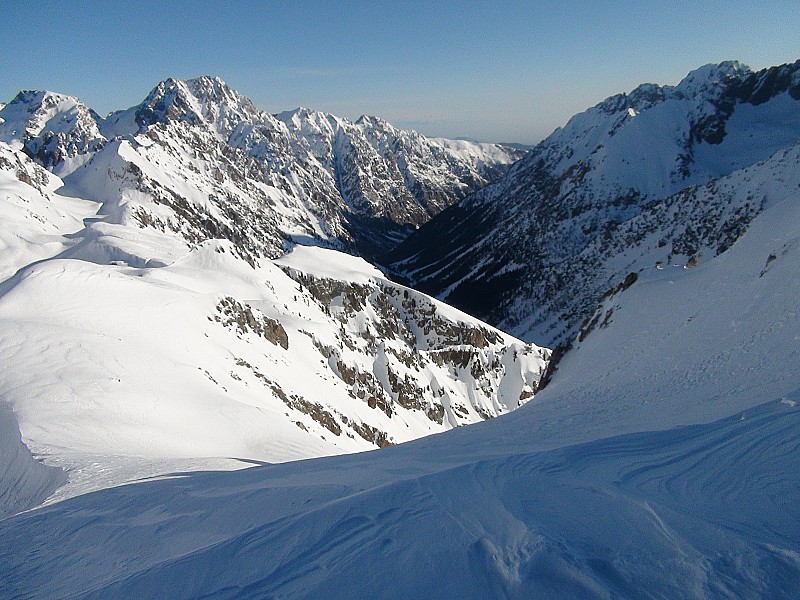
120, 362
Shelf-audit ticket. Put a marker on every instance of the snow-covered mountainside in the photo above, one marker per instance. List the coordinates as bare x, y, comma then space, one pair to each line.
205, 153
383, 173
120, 340
141, 315
661, 462
658, 178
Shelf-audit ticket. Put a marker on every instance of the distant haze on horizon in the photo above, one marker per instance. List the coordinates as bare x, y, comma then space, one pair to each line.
499, 72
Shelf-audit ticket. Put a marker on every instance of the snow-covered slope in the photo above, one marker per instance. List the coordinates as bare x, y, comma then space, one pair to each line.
384, 173
663, 174
24, 481
144, 328
120, 340
689, 513
34, 216
210, 358
661, 462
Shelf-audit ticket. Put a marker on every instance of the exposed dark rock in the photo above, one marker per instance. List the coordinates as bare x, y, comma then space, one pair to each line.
232, 313
315, 411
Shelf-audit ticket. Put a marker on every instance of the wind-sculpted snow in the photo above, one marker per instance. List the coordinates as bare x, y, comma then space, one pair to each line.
24, 481
692, 512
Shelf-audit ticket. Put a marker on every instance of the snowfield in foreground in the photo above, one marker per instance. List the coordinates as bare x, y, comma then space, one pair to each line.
691, 512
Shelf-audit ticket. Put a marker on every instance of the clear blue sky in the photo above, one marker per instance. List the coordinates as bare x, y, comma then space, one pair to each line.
494, 71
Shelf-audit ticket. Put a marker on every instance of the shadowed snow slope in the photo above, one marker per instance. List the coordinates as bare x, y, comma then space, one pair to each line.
692, 512
661, 462
24, 482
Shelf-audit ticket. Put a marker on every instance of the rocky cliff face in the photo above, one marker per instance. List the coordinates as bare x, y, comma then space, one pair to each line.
54, 129
399, 350
386, 175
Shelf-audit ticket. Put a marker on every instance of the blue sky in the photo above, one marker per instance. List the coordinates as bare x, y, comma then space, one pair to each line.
494, 71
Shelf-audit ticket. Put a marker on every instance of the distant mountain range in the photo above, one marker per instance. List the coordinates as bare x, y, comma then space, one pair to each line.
303, 174
144, 315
